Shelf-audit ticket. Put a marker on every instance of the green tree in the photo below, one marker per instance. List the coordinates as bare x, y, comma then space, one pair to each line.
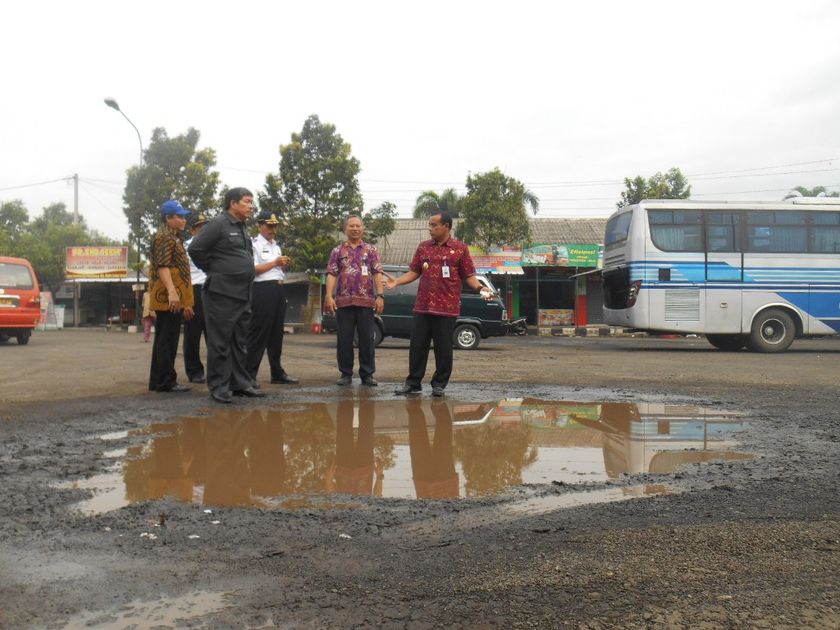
317, 186
430, 203
380, 222
45, 240
494, 212
13, 223
816, 191
670, 185
173, 168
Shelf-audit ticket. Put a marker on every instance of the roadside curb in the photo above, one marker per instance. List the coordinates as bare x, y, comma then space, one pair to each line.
586, 331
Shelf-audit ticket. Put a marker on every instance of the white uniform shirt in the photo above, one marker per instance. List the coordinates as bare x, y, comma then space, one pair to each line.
266, 251
196, 274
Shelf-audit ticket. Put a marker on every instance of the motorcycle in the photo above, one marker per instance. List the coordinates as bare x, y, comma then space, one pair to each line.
518, 327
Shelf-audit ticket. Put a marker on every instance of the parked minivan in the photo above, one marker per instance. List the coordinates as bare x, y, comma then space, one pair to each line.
478, 320
20, 299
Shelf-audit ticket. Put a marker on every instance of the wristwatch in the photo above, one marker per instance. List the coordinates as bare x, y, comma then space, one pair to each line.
380, 295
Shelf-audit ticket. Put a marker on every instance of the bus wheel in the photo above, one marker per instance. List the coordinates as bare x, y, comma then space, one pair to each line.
727, 342
773, 330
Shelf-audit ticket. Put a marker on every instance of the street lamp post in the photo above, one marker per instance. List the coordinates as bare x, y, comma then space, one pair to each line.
112, 103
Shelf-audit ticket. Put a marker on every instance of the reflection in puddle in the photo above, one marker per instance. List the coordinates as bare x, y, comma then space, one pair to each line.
286, 455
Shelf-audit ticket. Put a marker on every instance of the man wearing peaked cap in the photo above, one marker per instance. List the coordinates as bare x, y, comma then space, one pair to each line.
171, 295
268, 301
194, 328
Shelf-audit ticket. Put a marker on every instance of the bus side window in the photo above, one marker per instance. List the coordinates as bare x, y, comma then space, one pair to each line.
723, 232
676, 230
825, 232
780, 231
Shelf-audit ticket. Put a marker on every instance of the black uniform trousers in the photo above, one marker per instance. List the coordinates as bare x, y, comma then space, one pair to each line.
359, 319
226, 321
268, 315
427, 328
193, 329
162, 374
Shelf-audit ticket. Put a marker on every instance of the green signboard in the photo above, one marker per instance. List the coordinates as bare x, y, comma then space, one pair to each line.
556, 255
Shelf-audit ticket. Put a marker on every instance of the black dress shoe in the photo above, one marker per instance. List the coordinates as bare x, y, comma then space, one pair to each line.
344, 381
249, 392
223, 397
176, 389
437, 392
284, 379
197, 379
407, 389
369, 381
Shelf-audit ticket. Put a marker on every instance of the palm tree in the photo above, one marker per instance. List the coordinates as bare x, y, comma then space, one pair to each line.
817, 191
430, 203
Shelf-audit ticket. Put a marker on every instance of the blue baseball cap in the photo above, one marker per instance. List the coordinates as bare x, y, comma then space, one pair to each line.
173, 207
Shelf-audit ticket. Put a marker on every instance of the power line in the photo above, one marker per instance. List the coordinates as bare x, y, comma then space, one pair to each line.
95, 198
766, 168
49, 181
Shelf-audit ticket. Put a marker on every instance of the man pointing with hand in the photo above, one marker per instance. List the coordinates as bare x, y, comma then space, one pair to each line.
443, 264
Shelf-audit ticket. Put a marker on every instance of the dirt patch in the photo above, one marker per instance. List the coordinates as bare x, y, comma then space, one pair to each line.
744, 542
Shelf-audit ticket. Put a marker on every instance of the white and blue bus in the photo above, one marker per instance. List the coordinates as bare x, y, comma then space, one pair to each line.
753, 275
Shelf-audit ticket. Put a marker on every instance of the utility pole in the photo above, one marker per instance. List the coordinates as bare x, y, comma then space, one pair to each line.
75, 199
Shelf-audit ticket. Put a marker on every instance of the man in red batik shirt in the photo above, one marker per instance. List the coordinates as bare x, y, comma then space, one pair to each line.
442, 264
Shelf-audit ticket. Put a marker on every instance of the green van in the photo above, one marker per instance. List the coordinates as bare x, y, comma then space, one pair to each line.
478, 320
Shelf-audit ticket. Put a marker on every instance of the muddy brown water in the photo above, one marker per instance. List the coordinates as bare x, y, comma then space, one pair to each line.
300, 455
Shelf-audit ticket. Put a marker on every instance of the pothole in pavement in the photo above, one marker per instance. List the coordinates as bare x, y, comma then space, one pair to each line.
298, 455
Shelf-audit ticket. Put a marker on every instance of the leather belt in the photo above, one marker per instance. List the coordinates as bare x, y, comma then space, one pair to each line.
270, 282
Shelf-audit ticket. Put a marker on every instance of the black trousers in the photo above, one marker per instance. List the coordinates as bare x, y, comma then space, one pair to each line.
226, 321
193, 329
162, 374
359, 319
268, 315
426, 328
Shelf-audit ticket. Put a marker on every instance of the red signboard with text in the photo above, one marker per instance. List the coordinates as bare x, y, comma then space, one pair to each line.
97, 262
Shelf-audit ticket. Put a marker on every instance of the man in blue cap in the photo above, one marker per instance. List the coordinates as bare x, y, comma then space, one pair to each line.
171, 296
224, 252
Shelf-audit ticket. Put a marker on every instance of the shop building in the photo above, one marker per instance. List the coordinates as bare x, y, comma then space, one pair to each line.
547, 282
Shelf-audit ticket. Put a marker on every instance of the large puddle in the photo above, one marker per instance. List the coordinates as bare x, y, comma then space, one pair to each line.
299, 454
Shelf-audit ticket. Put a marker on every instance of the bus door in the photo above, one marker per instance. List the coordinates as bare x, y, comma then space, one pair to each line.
724, 272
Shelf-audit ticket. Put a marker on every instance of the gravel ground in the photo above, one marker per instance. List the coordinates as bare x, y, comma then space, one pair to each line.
743, 543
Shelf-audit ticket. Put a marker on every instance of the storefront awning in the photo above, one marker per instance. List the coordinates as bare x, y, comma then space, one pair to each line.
509, 270
586, 273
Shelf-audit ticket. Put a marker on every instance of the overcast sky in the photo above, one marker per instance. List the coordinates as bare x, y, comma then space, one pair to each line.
569, 97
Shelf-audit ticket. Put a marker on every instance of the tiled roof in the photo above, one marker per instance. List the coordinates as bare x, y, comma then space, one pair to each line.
399, 247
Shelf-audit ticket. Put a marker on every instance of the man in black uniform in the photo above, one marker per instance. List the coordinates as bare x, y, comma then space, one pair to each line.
223, 251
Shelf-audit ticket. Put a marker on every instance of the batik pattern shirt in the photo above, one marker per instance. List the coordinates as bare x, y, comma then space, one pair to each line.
168, 251
442, 268
354, 268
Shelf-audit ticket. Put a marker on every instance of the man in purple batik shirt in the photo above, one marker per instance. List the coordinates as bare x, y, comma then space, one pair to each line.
355, 268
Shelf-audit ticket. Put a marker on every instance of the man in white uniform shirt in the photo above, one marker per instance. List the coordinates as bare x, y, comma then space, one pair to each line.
194, 328
268, 302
